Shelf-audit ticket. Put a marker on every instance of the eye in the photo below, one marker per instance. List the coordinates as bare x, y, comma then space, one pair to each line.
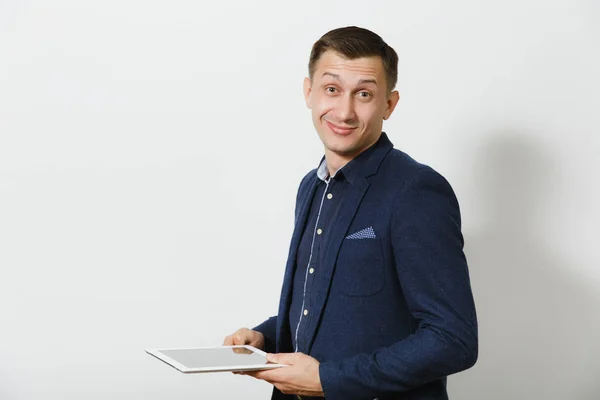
330, 89
364, 94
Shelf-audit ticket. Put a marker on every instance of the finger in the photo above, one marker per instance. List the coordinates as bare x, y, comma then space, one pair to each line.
283, 388
239, 339
265, 375
260, 375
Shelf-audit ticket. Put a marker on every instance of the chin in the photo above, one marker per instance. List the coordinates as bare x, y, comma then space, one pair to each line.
342, 149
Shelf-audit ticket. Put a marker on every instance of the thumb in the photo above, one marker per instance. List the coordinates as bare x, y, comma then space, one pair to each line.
274, 358
282, 358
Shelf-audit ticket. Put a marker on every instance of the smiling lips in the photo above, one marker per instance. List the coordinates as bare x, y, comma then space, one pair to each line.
339, 130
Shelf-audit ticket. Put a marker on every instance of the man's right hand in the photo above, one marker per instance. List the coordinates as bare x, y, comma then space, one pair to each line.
245, 336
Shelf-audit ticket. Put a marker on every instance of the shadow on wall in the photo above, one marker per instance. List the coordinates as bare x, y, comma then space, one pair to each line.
539, 322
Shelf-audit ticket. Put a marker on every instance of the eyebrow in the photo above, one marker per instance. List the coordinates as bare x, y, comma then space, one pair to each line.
363, 81
336, 76
360, 82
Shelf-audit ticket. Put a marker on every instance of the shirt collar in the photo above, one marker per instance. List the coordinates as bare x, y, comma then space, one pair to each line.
322, 171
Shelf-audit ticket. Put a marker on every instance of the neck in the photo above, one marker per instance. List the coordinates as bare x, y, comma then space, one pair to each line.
336, 161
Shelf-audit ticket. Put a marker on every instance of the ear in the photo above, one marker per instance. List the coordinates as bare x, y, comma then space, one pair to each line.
391, 104
307, 92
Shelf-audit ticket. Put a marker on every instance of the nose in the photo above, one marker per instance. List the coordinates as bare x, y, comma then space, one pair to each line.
345, 109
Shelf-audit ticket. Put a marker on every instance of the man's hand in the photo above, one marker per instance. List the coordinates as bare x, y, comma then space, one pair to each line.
245, 336
300, 377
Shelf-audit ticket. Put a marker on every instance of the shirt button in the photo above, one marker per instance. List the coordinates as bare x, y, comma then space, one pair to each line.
305, 312
311, 271
319, 231
329, 196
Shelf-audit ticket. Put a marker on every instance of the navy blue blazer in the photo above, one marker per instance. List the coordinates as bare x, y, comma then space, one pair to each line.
396, 312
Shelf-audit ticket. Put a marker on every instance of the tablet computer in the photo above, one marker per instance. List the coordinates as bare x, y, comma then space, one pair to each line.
215, 359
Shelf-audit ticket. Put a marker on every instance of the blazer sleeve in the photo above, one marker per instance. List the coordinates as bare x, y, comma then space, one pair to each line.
267, 328
428, 251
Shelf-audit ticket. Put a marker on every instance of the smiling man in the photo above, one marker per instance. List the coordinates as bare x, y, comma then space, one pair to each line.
376, 299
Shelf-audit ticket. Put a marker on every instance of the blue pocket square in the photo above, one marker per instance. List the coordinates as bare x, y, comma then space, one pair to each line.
367, 233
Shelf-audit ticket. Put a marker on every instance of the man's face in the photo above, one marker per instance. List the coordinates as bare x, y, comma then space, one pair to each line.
349, 101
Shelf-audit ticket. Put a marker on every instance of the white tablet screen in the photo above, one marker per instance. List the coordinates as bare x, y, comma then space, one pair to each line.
227, 358
215, 358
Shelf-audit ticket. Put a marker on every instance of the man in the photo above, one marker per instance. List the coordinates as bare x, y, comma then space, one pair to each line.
376, 299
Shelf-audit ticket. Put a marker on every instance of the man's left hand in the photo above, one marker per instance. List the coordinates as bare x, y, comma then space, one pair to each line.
300, 376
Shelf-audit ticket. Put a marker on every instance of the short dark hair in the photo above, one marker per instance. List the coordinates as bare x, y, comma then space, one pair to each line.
353, 42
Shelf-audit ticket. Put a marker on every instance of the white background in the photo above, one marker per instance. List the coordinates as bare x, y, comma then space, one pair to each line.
150, 154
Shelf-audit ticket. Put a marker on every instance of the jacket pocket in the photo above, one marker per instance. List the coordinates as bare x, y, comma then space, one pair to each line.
359, 268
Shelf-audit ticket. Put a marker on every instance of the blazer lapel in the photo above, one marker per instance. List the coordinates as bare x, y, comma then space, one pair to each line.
340, 228
304, 200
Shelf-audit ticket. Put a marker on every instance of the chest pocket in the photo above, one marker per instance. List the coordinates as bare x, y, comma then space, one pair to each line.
359, 268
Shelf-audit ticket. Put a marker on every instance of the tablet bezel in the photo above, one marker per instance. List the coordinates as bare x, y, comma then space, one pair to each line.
186, 370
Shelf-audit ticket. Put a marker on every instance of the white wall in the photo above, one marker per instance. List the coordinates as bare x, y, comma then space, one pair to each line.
150, 154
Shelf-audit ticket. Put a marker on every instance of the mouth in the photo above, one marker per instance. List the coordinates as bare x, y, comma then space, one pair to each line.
340, 130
